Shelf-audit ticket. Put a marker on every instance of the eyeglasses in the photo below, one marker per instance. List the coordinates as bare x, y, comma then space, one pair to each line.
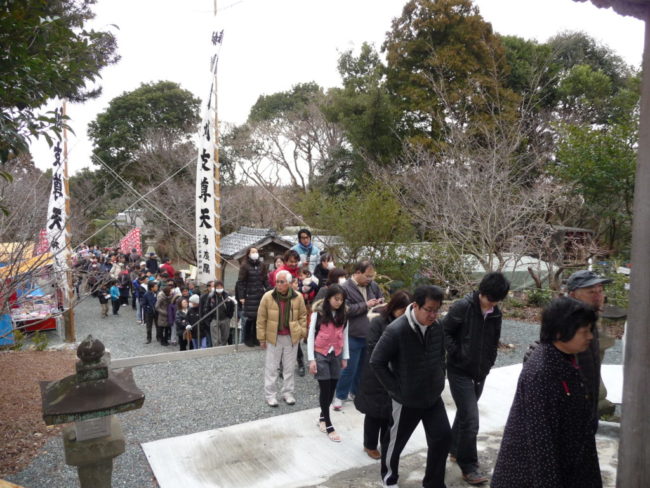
430, 311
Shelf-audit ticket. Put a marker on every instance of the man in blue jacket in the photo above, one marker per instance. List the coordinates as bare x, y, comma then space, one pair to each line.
472, 331
308, 251
409, 361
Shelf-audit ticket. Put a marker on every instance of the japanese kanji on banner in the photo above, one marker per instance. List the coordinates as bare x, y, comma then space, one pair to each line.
131, 241
206, 227
57, 216
42, 245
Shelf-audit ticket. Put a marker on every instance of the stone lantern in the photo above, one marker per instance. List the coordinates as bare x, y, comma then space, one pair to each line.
90, 398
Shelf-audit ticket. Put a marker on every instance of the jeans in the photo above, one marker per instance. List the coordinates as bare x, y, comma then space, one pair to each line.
350, 376
466, 393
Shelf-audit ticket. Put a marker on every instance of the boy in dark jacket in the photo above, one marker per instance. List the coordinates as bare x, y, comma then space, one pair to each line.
409, 361
472, 331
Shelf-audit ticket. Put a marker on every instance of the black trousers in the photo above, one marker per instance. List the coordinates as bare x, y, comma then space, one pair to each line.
466, 393
184, 344
376, 430
250, 332
300, 361
403, 422
165, 334
116, 306
149, 320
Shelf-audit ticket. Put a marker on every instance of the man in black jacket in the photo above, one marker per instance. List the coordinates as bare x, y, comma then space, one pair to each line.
472, 331
409, 361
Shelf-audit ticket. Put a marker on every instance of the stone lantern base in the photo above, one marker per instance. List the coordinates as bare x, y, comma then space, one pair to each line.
94, 457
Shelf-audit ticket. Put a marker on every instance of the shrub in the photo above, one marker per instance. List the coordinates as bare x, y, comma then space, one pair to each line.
539, 297
40, 340
19, 340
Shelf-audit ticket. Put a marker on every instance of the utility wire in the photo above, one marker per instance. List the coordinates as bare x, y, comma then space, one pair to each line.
143, 197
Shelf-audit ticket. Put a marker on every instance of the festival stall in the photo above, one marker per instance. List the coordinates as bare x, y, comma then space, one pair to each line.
33, 302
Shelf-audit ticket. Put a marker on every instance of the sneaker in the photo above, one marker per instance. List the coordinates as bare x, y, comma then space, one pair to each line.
289, 399
272, 402
337, 404
351, 397
384, 485
301, 370
475, 477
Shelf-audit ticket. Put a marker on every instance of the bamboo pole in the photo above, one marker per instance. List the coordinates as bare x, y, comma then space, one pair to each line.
68, 303
218, 272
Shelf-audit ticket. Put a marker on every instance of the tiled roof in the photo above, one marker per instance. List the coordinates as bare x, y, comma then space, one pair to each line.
636, 8
244, 238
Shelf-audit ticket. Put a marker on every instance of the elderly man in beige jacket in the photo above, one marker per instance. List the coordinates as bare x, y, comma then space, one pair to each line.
281, 324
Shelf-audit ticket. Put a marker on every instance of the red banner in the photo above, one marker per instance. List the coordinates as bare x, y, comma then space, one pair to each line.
131, 241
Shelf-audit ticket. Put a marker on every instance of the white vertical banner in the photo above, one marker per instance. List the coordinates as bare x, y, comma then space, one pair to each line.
57, 217
207, 220
206, 247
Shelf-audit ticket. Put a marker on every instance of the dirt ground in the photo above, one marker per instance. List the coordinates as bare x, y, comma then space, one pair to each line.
22, 429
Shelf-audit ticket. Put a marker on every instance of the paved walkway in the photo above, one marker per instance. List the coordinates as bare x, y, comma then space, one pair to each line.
289, 450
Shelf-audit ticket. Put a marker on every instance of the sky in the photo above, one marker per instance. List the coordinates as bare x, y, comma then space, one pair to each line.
271, 45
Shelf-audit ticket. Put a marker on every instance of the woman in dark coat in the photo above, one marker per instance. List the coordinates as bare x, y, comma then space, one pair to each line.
251, 285
372, 399
550, 436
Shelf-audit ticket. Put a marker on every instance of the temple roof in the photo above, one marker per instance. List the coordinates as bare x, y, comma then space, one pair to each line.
635, 8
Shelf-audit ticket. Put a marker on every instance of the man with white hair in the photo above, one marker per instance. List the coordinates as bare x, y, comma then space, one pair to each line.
281, 324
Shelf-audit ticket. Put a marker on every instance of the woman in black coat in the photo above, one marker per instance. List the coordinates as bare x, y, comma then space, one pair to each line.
550, 437
372, 399
251, 285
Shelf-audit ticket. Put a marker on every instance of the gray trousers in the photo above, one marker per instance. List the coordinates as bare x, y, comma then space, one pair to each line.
219, 332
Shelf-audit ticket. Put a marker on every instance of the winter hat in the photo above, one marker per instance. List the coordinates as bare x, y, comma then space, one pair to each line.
195, 299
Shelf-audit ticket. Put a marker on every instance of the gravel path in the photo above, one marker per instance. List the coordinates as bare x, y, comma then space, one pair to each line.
194, 395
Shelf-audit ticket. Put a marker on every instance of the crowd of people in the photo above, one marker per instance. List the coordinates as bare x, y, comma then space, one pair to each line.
179, 311
391, 359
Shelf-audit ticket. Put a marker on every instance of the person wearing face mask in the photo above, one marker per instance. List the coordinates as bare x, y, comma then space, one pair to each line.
223, 312
336, 276
322, 270
251, 285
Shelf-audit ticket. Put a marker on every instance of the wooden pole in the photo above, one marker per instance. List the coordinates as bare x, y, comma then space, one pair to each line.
68, 315
634, 452
218, 272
